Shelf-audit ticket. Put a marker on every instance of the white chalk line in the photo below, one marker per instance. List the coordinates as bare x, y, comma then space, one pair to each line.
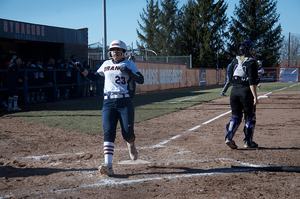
108, 182
112, 182
159, 145
179, 100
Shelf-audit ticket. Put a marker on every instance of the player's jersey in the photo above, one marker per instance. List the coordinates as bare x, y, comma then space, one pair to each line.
115, 80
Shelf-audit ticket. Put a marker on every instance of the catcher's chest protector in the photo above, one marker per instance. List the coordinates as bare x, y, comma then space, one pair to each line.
239, 69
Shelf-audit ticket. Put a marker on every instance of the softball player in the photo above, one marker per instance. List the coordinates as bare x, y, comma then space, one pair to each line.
261, 72
243, 96
117, 105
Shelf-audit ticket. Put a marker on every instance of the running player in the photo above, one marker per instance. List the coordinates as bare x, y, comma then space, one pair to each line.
117, 104
243, 96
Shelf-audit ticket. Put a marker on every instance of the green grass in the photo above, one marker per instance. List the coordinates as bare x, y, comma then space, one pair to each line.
85, 115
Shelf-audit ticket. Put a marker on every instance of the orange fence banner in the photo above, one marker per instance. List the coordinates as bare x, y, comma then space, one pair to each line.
161, 76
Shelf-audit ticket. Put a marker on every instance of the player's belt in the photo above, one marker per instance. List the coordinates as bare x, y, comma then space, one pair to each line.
115, 96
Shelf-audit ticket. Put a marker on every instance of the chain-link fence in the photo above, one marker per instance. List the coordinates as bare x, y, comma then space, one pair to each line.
95, 51
167, 59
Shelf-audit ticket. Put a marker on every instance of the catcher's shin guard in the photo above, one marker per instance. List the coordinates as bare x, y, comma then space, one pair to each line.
249, 127
232, 126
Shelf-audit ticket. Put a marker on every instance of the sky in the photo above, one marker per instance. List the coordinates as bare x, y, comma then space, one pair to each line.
121, 16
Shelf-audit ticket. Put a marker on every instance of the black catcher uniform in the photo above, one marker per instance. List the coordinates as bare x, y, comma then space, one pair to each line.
243, 97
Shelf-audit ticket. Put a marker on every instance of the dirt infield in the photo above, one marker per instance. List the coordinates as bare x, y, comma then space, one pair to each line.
182, 155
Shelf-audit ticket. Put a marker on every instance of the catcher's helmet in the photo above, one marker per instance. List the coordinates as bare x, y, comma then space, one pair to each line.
118, 44
245, 47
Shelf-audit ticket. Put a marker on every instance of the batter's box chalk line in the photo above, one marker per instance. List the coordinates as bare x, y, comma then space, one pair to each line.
131, 162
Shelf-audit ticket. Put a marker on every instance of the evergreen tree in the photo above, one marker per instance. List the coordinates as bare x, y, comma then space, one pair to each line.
167, 26
187, 41
201, 31
256, 20
212, 23
149, 25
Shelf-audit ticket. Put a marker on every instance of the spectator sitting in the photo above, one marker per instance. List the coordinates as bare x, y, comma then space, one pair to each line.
60, 79
41, 81
49, 78
72, 65
68, 78
30, 76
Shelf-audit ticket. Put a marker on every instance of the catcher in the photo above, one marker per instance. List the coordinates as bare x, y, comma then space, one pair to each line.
243, 96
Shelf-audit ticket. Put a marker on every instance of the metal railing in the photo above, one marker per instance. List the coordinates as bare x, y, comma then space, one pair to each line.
54, 86
167, 59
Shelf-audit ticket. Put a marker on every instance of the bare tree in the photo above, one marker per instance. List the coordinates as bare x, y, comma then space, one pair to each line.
290, 51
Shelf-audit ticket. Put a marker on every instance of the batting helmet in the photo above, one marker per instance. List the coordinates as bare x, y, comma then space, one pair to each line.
118, 44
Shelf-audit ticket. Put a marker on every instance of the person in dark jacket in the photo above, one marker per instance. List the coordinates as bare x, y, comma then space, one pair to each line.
12, 80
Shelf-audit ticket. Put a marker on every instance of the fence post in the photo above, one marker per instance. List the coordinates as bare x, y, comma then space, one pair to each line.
54, 85
25, 84
78, 83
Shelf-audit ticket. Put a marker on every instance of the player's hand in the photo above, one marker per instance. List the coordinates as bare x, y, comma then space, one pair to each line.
79, 66
125, 69
255, 101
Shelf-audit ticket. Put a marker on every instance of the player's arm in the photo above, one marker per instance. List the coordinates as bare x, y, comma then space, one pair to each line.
138, 77
230, 71
252, 81
92, 76
254, 93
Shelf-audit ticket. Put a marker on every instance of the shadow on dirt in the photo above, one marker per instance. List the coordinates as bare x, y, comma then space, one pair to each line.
156, 170
10, 172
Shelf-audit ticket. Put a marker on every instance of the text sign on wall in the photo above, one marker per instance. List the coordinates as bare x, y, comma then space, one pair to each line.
202, 77
33, 32
270, 75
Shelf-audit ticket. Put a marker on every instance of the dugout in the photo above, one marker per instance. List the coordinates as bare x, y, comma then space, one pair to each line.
36, 41
40, 41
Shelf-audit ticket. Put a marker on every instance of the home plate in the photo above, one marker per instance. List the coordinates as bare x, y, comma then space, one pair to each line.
134, 162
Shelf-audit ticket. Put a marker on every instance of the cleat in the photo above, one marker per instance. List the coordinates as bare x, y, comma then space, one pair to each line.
231, 144
132, 151
223, 95
16, 108
9, 109
250, 145
106, 169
